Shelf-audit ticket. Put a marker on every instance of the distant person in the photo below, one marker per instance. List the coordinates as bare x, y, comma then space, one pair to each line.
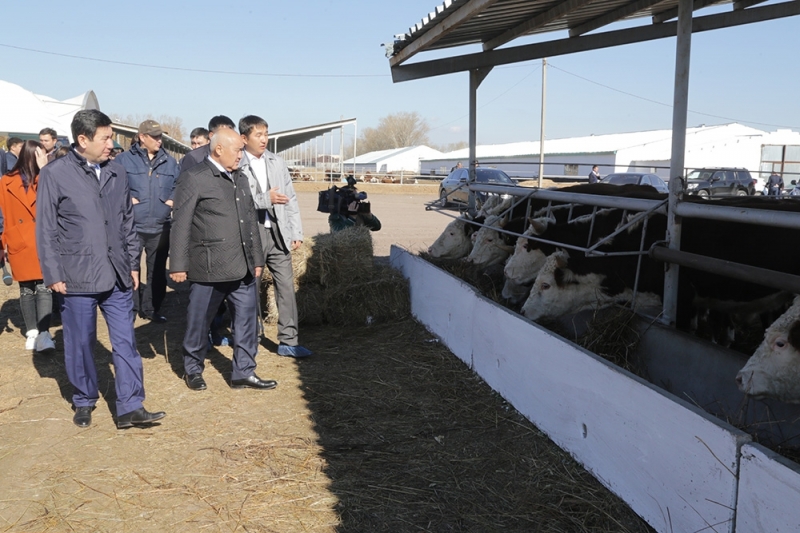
201, 153
114, 152
774, 184
280, 227
199, 137
152, 174
62, 151
14, 145
18, 202
87, 249
49, 139
594, 175
456, 167
215, 245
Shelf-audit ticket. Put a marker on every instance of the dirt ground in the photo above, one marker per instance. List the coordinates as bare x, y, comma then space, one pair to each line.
382, 430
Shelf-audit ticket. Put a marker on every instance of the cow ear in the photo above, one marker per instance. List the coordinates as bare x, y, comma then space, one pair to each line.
794, 335
561, 258
539, 225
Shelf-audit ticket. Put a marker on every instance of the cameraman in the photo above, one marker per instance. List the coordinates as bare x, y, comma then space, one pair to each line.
353, 211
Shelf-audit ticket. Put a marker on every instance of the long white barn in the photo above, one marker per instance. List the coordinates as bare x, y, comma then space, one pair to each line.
727, 145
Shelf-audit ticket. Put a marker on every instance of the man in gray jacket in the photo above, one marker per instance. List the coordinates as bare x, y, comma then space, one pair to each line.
279, 225
87, 249
215, 245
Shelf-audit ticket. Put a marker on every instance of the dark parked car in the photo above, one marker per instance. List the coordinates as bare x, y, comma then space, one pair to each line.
453, 189
636, 178
713, 182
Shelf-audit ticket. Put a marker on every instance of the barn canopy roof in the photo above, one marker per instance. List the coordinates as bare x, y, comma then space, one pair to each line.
494, 23
283, 140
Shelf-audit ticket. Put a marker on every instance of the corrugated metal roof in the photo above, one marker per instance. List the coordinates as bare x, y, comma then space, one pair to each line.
381, 155
495, 23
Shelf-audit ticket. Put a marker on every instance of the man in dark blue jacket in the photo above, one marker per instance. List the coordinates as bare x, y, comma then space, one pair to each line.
152, 173
88, 249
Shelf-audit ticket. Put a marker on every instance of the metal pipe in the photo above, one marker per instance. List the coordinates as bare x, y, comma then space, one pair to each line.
541, 130
760, 276
762, 217
680, 109
474, 81
632, 204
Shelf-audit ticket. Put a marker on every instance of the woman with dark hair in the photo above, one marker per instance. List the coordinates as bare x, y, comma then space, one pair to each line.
18, 203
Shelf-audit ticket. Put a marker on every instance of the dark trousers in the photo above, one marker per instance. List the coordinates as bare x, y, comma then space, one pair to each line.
36, 302
150, 296
279, 262
79, 320
204, 300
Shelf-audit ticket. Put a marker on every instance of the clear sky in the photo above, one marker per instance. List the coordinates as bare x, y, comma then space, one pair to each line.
301, 63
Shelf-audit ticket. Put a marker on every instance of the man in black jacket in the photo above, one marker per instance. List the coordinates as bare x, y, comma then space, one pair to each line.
215, 244
199, 154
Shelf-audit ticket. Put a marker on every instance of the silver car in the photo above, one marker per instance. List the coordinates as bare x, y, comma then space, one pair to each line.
636, 178
454, 189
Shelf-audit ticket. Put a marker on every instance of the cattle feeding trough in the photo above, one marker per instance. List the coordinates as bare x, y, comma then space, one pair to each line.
678, 365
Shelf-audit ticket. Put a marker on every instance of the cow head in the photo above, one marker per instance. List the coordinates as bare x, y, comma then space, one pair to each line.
523, 265
774, 369
455, 241
557, 291
489, 247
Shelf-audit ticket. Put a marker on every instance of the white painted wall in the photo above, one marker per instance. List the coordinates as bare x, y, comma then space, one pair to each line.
673, 464
769, 492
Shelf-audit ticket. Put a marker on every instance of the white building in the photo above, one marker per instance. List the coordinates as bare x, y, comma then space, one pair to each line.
728, 145
24, 112
396, 160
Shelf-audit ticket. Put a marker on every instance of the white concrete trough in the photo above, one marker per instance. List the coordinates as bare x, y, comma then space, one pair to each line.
674, 464
769, 492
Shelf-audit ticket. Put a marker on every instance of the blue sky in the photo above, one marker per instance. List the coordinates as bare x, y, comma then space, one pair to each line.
318, 61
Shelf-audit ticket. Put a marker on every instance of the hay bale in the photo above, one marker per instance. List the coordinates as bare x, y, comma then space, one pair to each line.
340, 258
310, 305
382, 299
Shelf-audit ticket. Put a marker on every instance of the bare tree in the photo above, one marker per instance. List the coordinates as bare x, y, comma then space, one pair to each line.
172, 125
397, 130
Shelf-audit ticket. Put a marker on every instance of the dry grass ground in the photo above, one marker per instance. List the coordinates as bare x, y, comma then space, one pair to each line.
382, 430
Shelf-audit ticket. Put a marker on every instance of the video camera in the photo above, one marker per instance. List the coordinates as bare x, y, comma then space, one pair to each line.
343, 200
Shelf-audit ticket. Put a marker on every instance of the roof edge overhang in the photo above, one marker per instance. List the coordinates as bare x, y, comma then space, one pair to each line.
556, 47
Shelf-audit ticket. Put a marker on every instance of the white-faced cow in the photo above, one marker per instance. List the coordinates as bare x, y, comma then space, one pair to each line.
455, 242
774, 369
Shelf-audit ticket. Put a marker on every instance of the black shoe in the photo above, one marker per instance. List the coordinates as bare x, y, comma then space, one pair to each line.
83, 416
155, 317
195, 381
139, 417
254, 382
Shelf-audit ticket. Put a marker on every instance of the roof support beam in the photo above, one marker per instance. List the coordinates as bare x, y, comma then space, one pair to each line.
744, 4
506, 56
671, 13
541, 19
612, 16
447, 25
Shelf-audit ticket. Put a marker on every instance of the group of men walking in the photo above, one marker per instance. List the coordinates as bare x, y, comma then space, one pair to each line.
220, 216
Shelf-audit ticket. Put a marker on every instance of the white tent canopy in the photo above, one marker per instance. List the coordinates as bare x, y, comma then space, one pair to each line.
26, 112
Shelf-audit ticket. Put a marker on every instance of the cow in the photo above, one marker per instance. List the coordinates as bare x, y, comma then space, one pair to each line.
698, 291
773, 371
455, 242
559, 290
490, 246
569, 282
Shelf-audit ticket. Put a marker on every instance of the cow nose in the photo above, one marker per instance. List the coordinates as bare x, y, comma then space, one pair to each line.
739, 379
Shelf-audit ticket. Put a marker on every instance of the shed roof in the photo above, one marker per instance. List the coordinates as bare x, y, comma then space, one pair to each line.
382, 155
494, 23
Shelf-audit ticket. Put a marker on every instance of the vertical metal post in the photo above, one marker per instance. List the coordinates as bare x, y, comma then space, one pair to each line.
341, 150
355, 145
541, 130
476, 76
683, 52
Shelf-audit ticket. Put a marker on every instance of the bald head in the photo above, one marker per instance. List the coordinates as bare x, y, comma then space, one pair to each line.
226, 148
